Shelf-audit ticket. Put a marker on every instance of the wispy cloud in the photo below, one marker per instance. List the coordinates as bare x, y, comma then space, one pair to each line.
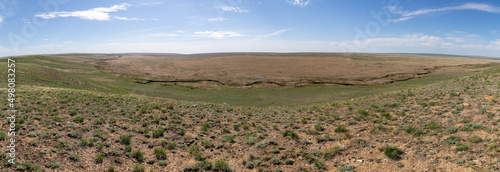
233, 9
100, 13
407, 15
217, 34
414, 41
125, 18
279, 32
150, 3
301, 3
1, 19
160, 35
217, 19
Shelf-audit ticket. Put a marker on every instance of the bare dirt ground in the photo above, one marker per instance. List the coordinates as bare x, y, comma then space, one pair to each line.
290, 70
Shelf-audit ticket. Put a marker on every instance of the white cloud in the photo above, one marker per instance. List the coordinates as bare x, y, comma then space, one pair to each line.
301, 3
279, 32
1, 19
100, 13
232, 9
150, 3
494, 45
414, 40
125, 18
401, 19
459, 40
414, 43
217, 19
406, 15
217, 35
160, 35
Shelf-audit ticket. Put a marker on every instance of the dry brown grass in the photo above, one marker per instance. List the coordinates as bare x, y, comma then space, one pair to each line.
293, 70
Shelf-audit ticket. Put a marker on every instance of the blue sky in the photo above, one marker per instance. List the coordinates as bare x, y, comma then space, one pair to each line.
201, 26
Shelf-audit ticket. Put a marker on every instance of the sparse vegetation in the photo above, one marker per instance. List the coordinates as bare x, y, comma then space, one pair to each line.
74, 118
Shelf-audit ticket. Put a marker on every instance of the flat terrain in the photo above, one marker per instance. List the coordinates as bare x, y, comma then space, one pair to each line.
78, 114
207, 71
134, 74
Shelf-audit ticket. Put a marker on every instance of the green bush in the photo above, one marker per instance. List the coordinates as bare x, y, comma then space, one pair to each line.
100, 158
79, 119
126, 139
52, 165
158, 133
100, 121
319, 127
204, 126
331, 152
340, 129
171, 145
111, 168
221, 165
275, 161
163, 163
462, 147
160, 154
392, 152
292, 134
138, 155
475, 139
139, 168
414, 131
75, 157
27, 166
344, 168
3, 136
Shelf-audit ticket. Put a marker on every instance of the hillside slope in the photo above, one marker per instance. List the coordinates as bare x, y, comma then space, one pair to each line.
447, 126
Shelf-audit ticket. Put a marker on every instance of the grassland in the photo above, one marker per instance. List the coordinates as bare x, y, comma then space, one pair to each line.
76, 118
98, 73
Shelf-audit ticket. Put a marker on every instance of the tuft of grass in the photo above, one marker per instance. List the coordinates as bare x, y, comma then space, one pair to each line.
52, 165
160, 154
111, 168
221, 165
475, 139
126, 139
340, 129
100, 158
79, 119
414, 131
3, 136
392, 152
75, 157
331, 152
292, 134
158, 133
138, 168
275, 161
462, 147
138, 155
